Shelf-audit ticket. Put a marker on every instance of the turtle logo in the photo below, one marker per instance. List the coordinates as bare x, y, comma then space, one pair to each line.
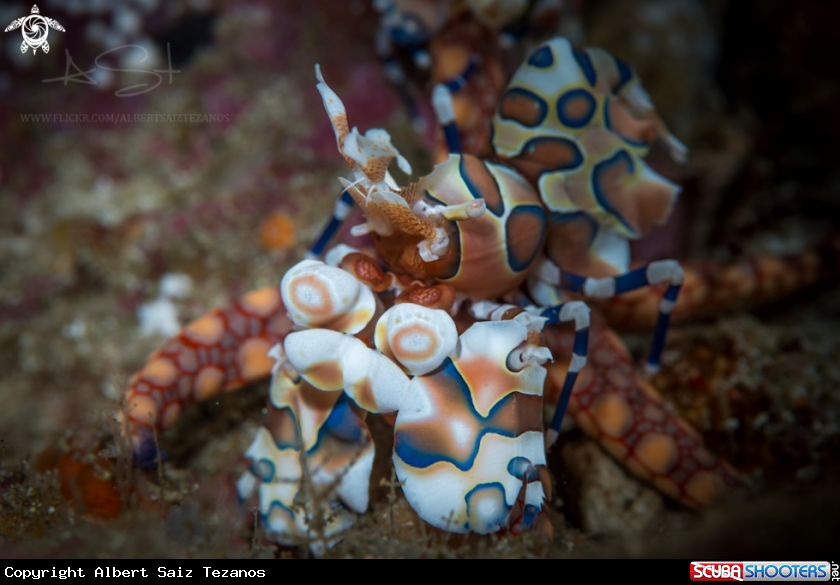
35, 30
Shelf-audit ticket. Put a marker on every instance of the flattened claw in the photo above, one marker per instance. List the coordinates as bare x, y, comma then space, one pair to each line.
317, 295
333, 361
416, 337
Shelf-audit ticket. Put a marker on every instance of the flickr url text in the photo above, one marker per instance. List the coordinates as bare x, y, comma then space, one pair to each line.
114, 118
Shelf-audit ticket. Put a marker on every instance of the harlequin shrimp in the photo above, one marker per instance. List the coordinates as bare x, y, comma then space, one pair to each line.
453, 328
566, 168
473, 399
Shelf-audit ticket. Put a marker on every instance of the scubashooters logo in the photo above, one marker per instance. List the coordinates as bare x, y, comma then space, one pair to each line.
760, 571
35, 29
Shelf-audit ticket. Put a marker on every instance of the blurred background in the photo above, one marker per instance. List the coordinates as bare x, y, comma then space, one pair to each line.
120, 186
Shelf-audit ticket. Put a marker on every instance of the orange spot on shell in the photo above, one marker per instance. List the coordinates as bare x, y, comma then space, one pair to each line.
262, 302
208, 382
658, 452
141, 408
613, 415
705, 487
207, 330
278, 232
254, 362
160, 372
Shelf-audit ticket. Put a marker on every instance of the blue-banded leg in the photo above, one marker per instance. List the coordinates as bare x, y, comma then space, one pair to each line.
343, 206
578, 312
445, 112
658, 272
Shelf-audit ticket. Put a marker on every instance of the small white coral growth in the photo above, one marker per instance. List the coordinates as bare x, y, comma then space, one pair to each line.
160, 316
